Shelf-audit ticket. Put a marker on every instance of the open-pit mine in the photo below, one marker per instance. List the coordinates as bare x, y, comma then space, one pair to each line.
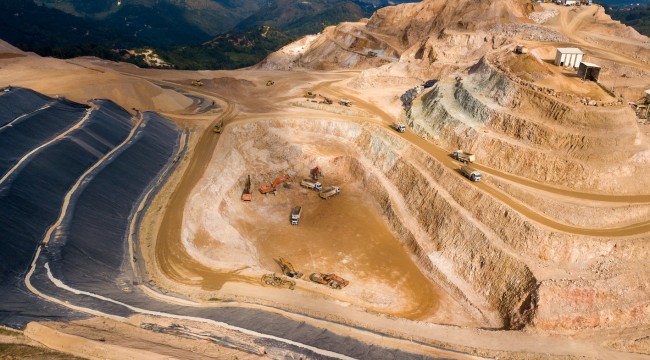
463, 180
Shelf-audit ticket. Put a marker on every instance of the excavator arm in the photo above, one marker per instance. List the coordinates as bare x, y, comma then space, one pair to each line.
279, 180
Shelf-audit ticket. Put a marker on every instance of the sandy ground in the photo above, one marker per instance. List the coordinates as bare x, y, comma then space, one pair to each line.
345, 235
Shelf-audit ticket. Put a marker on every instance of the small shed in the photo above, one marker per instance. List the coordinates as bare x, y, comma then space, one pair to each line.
568, 57
588, 71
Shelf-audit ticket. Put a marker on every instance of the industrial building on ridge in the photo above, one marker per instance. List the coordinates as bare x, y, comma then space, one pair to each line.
568, 57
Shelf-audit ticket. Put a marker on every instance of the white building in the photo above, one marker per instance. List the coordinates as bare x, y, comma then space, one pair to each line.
568, 57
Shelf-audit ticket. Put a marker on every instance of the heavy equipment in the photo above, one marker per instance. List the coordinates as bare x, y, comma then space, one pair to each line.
345, 102
274, 280
246, 194
470, 173
399, 127
197, 83
218, 128
310, 95
332, 280
288, 269
313, 185
329, 191
316, 173
265, 189
295, 215
327, 101
463, 157
270, 82
520, 49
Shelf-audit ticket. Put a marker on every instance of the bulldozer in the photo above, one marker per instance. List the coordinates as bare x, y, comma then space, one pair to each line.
316, 173
197, 83
288, 269
246, 194
332, 280
279, 281
273, 188
270, 83
345, 102
218, 127
310, 95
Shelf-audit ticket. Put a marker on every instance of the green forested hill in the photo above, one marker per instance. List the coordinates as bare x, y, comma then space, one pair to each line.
636, 16
196, 34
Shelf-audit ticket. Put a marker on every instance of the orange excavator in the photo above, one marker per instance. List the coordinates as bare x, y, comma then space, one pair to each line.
332, 280
265, 189
246, 195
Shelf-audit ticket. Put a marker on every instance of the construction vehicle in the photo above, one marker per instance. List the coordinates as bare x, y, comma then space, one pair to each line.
332, 280
329, 192
399, 127
279, 281
316, 173
327, 101
429, 83
345, 102
197, 83
470, 173
463, 157
273, 188
288, 269
270, 82
246, 194
218, 128
295, 215
313, 185
520, 49
310, 95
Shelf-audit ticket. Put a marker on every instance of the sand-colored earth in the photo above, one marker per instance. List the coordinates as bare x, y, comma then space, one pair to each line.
429, 256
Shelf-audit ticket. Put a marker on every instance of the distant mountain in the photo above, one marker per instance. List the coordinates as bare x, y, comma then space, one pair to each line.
636, 16
300, 18
621, 2
175, 29
212, 17
231, 50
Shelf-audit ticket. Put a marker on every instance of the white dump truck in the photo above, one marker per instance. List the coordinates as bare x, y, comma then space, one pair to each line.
399, 127
313, 185
329, 191
295, 215
470, 173
463, 157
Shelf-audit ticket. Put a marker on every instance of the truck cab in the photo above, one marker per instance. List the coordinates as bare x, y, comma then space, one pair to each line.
470, 173
314, 185
295, 215
399, 127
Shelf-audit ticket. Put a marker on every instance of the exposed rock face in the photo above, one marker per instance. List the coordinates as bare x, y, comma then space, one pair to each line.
514, 271
526, 130
427, 31
508, 271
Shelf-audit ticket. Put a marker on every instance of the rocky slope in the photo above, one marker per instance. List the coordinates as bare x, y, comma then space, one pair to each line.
507, 270
521, 115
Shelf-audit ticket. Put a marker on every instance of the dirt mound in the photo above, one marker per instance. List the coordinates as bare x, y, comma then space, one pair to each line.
82, 79
407, 31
